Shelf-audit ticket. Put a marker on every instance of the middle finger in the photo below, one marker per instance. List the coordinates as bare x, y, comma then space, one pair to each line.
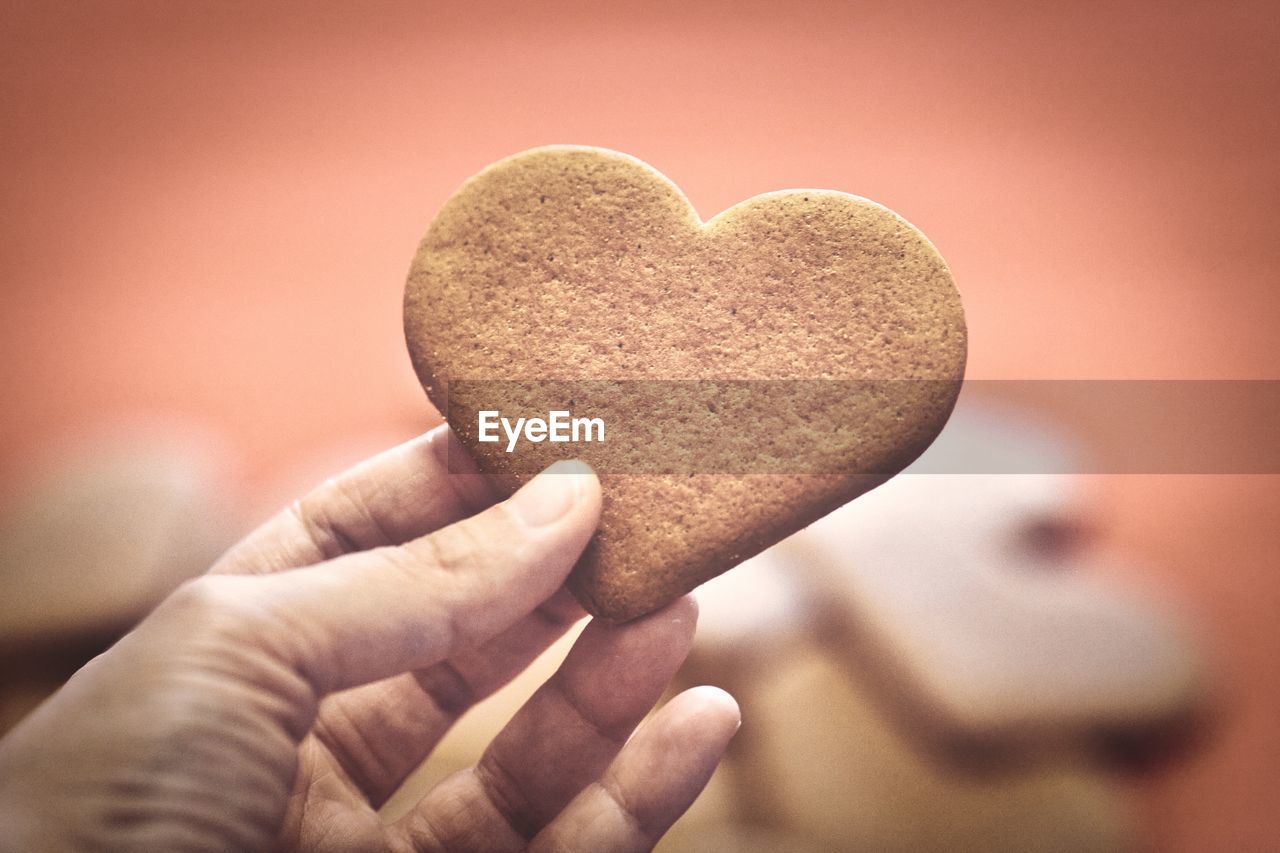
563, 738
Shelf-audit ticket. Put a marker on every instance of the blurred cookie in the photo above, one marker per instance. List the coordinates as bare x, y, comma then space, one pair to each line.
570, 263
830, 762
1006, 621
979, 606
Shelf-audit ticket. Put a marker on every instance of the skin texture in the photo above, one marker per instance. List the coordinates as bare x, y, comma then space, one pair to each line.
280, 699
575, 263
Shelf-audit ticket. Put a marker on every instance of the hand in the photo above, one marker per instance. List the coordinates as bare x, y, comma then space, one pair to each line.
282, 698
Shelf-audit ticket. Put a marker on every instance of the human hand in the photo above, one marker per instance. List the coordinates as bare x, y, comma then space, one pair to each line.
282, 698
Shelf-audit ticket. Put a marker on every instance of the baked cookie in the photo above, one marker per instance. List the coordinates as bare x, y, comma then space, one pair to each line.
753, 372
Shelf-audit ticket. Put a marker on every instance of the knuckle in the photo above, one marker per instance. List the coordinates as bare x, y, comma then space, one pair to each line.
205, 594
629, 811
453, 550
221, 630
215, 603
312, 516
359, 515
337, 519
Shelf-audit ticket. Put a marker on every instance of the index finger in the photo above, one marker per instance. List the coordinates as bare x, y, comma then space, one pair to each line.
401, 494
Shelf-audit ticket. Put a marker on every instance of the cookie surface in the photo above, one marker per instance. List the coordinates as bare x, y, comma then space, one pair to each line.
582, 264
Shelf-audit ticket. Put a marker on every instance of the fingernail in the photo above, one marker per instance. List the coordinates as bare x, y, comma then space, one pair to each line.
548, 496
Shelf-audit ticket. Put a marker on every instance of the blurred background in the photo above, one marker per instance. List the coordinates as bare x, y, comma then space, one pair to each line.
207, 211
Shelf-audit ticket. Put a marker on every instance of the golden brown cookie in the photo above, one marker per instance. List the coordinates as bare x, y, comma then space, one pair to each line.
764, 367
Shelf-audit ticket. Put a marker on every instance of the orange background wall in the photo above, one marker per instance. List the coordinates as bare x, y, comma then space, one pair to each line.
207, 209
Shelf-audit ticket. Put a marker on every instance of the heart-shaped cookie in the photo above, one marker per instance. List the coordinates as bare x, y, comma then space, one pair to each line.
581, 264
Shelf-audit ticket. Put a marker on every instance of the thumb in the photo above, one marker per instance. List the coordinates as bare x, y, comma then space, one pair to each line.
370, 615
